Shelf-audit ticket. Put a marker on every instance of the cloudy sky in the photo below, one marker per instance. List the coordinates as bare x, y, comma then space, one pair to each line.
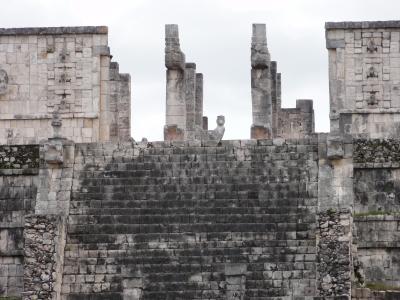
216, 35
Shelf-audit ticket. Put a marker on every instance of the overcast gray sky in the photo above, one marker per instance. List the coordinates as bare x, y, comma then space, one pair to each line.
215, 34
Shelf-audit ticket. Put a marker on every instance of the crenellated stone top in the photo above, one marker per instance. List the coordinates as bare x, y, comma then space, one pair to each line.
260, 57
174, 57
54, 30
363, 25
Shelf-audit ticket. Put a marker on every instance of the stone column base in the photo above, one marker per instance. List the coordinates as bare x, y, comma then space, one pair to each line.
173, 133
260, 132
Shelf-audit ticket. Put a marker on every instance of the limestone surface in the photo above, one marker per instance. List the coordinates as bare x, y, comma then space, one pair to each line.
88, 213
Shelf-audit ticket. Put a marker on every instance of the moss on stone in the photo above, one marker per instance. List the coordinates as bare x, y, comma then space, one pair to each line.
377, 213
378, 286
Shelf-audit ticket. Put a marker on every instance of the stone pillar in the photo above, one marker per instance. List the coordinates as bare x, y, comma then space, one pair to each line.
45, 231
190, 99
105, 114
274, 98
334, 237
205, 123
278, 91
175, 98
260, 84
120, 104
199, 100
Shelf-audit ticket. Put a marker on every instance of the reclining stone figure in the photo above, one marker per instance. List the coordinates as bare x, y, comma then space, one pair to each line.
216, 134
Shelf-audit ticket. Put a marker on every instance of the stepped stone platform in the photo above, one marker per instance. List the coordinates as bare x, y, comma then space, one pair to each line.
164, 222
88, 213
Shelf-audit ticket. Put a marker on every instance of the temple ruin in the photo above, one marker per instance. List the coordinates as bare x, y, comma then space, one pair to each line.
86, 212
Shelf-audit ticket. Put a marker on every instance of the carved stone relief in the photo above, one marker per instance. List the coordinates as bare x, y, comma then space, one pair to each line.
371, 46
372, 72
372, 100
3, 81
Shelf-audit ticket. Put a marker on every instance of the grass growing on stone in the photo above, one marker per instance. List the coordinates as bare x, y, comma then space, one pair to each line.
376, 213
377, 286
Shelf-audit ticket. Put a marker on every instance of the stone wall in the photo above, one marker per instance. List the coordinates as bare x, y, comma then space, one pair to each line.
364, 77
44, 70
43, 257
18, 186
378, 248
255, 218
334, 253
376, 209
296, 122
120, 104
270, 120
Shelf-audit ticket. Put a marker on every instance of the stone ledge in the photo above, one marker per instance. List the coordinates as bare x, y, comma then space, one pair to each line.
378, 244
386, 165
7, 225
54, 30
9, 253
6, 117
379, 218
369, 111
362, 25
308, 141
28, 171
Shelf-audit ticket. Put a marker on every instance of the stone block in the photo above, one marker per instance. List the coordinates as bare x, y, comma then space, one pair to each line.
173, 133
335, 148
260, 132
235, 269
333, 44
53, 151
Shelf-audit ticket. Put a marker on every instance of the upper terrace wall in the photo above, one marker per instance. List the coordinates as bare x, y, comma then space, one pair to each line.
364, 77
64, 69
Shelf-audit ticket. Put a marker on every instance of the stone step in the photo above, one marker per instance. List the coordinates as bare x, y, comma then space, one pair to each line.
229, 146
109, 254
241, 173
143, 237
290, 189
148, 219
232, 166
222, 191
284, 210
187, 224
133, 255
194, 256
112, 202
95, 254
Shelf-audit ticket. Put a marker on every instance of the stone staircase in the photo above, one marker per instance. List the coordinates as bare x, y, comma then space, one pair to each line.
162, 221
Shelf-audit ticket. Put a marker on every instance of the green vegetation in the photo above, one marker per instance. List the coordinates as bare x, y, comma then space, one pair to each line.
378, 286
331, 212
377, 213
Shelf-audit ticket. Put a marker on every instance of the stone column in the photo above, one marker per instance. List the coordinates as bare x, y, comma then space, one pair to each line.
175, 98
105, 118
334, 237
45, 230
190, 99
199, 100
274, 97
260, 84
205, 123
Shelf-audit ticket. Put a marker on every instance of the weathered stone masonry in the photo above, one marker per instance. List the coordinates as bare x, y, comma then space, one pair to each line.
18, 186
160, 221
269, 118
65, 70
288, 214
